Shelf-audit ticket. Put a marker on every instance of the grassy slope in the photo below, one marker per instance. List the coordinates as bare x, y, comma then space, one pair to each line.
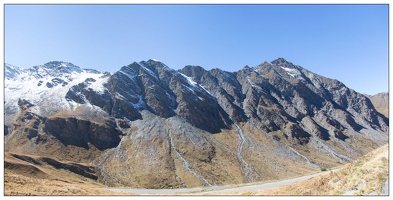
22, 178
365, 176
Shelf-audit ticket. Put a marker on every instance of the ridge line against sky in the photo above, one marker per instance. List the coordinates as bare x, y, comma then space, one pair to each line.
345, 42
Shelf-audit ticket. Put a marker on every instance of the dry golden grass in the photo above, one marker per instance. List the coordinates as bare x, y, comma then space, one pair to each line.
362, 177
19, 185
23, 178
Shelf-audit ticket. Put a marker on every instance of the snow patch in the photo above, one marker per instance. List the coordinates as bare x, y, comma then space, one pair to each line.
190, 81
292, 72
10, 71
148, 70
98, 85
252, 83
46, 90
207, 91
194, 86
130, 76
141, 104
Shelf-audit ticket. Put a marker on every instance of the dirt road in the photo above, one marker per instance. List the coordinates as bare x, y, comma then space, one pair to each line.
214, 189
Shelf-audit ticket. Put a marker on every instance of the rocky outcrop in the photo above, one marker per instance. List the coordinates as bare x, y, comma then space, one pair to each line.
153, 86
82, 94
313, 128
68, 130
73, 131
222, 85
6, 130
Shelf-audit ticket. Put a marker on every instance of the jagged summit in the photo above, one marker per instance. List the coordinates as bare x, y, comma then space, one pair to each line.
279, 61
50, 69
283, 63
59, 64
11, 72
54, 68
193, 71
153, 59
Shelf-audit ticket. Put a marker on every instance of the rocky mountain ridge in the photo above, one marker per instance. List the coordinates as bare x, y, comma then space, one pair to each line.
381, 102
150, 126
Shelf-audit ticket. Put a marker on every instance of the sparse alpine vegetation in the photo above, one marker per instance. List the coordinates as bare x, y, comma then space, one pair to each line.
366, 176
40, 176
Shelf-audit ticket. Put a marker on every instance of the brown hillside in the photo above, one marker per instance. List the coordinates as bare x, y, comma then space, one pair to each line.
381, 102
366, 176
26, 175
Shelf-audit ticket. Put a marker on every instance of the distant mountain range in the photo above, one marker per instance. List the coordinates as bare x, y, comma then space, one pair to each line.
150, 126
381, 102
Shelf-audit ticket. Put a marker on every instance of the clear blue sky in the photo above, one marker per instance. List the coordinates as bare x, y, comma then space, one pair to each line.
345, 42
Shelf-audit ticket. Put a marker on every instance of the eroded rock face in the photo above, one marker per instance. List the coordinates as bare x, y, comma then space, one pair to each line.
153, 86
6, 130
272, 94
223, 86
73, 131
68, 130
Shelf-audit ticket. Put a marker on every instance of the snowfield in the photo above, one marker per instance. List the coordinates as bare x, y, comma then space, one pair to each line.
47, 85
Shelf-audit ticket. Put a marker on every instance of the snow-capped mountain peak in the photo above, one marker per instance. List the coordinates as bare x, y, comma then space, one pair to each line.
55, 69
48, 84
11, 72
